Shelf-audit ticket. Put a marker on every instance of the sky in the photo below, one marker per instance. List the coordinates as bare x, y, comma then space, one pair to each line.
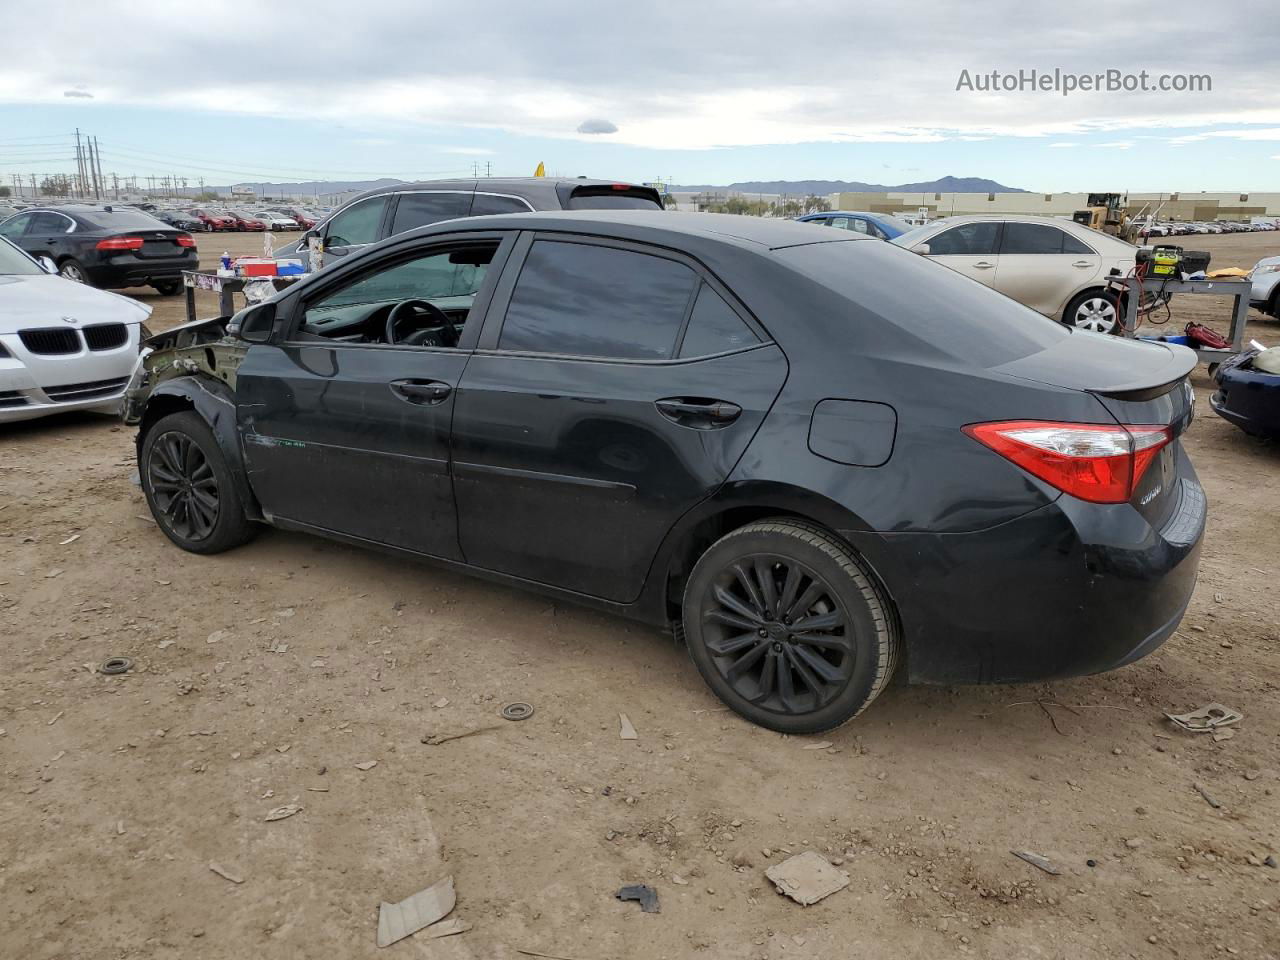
706, 92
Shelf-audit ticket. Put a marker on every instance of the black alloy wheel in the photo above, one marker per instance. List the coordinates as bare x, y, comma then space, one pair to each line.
183, 484
788, 627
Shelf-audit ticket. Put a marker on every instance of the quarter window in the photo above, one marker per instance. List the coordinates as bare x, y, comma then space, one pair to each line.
420, 209
966, 240
714, 327
356, 225
593, 301
486, 205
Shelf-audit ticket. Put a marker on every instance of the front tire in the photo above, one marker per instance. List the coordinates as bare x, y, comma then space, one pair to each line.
1094, 311
189, 486
788, 627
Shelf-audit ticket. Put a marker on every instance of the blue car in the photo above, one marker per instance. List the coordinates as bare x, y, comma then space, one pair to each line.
880, 225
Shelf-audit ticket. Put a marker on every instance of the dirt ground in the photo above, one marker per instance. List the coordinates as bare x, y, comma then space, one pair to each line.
264, 676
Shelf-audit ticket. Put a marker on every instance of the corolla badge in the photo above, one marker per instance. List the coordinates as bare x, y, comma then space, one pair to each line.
1151, 496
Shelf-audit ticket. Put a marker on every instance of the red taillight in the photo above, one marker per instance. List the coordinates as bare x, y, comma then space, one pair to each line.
120, 243
620, 186
185, 240
1095, 462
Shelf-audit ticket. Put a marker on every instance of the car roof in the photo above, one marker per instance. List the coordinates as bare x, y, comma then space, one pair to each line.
758, 232
526, 187
843, 213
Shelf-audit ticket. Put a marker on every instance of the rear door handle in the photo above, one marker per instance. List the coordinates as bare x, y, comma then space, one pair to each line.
698, 413
1083, 263
422, 391
984, 264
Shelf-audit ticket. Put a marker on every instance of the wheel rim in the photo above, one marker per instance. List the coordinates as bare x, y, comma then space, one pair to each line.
71, 272
777, 634
183, 486
1097, 314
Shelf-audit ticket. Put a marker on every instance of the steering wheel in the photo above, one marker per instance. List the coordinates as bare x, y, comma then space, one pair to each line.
425, 306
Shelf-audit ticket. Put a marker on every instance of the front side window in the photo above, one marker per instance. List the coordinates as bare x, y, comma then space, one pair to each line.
966, 240
356, 225
425, 301
593, 301
420, 209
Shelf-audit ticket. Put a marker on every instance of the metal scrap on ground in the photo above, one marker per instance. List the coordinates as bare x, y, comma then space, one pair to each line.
1207, 718
643, 894
625, 730
1037, 861
398, 920
807, 877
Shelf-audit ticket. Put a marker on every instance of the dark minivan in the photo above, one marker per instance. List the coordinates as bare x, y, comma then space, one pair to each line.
386, 211
815, 456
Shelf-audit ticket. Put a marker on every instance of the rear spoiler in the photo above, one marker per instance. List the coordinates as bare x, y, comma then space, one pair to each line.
567, 191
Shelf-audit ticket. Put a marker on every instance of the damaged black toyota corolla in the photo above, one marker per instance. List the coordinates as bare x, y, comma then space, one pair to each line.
817, 459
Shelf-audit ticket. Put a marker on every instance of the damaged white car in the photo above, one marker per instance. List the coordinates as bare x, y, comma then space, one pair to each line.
63, 345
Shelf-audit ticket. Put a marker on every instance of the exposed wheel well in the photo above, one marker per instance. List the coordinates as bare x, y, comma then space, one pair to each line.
160, 406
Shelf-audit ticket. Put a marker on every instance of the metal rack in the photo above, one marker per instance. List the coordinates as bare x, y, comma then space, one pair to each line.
1239, 289
225, 287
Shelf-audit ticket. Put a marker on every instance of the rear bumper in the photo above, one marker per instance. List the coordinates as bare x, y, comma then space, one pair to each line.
1070, 589
128, 271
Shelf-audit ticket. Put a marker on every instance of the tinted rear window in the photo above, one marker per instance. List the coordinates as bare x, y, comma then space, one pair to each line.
608, 198
124, 220
954, 314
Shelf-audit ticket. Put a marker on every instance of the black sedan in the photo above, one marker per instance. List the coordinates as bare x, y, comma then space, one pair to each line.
815, 458
181, 220
105, 246
1249, 395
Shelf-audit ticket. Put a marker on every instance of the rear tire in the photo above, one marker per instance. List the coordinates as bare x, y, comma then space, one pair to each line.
168, 288
1093, 310
788, 628
73, 270
189, 486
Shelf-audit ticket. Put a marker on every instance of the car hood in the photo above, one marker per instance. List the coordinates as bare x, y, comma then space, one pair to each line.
45, 299
1105, 364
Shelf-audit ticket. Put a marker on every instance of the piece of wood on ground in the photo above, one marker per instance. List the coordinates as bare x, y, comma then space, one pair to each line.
226, 874
397, 920
1037, 861
625, 730
807, 877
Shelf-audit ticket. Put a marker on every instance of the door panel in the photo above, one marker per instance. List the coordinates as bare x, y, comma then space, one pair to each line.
567, 472
969, 248
334, 441
1035, 270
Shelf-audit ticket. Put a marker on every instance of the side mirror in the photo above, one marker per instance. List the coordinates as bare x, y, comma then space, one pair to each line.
48, 264
254, 324
921, 248
336, 251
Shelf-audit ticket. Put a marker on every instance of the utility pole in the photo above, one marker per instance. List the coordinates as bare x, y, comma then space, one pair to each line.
79, 157
115, 187
488, 169
97, 159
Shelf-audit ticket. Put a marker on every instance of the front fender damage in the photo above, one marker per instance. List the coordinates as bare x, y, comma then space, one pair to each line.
201, 349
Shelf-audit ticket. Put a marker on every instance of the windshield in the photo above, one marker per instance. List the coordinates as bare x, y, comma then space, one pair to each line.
15, 263
913, 236
894, 223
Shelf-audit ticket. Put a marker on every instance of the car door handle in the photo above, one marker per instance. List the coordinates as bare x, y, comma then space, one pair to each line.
1083, 263
984, 264
698, 413
421, 391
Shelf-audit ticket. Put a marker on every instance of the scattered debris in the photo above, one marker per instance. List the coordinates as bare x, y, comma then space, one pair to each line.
625, 730
820, 745
1269, 861
56, 572
115, 665
165, 644
441, 703
807, 877
225, 874
56, 717
71, 539
546, 956
1207, 718
1043, 863
643, 894
517, 711
216, 636
280, 813
398, 920
678, 880
1207, 798
1224, 734
366, 765
439, 738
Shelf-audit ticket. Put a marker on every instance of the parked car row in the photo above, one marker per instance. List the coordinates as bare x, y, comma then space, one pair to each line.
1191, 228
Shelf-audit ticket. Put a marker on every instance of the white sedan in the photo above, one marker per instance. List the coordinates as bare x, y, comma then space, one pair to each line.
279, 221
63, 345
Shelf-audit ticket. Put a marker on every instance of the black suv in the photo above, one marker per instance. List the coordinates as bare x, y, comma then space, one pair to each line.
386, 211
105, 246
815, 454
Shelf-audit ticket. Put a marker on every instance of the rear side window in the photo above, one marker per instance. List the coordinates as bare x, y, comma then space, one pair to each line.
486, 205
357, 224
714, 327
609, 197
420, 209
55, 223
119, 219
939, 308
591, 301
966, 240
1071, 245
1029, 238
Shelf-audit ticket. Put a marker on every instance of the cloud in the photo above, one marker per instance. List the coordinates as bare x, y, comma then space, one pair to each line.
467, 151
597, 126
78, 93
1064, 145
1117, 145
536, 70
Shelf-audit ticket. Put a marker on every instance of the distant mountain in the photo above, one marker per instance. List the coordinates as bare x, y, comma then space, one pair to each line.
823, 187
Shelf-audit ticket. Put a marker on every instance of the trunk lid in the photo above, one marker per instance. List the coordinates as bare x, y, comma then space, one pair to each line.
1136, 383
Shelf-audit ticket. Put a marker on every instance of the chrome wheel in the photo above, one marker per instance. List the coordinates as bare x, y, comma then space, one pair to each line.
71, 271
1097, 314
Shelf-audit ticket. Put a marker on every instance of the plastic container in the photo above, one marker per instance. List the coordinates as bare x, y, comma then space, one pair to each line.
289, 268
256, 267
